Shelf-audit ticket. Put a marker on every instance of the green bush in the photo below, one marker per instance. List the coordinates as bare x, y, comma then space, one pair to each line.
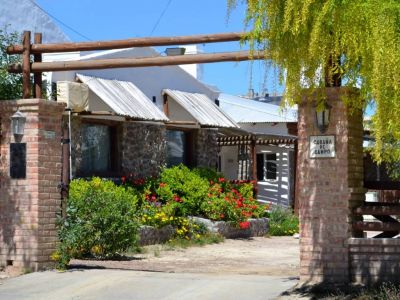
184, 187
101, 221
282, 222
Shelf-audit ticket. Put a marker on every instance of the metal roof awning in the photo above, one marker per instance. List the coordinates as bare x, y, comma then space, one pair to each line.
124, 98
202, 109
251, 111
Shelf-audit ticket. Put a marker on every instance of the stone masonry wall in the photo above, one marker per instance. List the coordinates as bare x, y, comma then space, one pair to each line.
206, 149
28, 206
143, 148
327, 188
374, 260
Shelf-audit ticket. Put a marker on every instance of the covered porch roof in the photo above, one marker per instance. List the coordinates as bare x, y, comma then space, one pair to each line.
124, 98
195, 107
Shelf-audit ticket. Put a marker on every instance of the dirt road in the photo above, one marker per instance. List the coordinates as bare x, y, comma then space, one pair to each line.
276, 256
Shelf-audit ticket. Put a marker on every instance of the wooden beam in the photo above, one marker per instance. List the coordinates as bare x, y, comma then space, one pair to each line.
254, 160
140, 62
378, 210
26, 65
376, 226
165, 105
129, 43
37, 77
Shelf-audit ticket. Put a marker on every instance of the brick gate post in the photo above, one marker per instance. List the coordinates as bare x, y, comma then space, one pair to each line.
328, 188
28, 206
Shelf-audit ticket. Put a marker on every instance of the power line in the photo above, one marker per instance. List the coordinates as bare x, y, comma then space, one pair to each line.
59, 21
160, 17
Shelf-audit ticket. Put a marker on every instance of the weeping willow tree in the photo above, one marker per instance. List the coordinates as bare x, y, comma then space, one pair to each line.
320, 43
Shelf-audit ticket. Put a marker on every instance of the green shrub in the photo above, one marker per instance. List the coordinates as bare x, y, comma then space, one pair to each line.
101, 220
210, 175
282, 222
181, 185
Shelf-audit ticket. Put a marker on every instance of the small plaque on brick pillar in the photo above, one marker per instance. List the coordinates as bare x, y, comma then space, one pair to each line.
18, 160
322, 146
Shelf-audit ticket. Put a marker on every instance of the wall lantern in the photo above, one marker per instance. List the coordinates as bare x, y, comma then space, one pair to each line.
18, 124
322, 116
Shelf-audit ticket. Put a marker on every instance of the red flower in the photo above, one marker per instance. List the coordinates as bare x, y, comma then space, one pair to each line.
222, 216
221, 179
162, 184
123, 179
244, 225
177, 199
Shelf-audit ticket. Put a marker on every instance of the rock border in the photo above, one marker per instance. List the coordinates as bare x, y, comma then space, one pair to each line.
149, 235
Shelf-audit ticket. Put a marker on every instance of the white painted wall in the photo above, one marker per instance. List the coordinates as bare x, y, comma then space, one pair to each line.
229, 162
150, 80
277, 191
177, 112
196, 70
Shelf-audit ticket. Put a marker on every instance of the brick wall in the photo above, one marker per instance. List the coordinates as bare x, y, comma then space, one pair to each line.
327, 188
28, 206
374, 260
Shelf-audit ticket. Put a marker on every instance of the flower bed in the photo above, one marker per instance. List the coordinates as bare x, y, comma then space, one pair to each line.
149, 235
103, 217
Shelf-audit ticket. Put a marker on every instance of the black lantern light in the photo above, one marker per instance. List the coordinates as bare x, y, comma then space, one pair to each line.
322, 116
18, 123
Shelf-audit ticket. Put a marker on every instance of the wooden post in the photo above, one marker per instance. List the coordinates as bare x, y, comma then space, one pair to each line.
165, 105
295, 198
37, 77
254, 159
26, 65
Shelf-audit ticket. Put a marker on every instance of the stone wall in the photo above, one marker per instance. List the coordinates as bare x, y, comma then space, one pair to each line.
327, 189
374, 260
28, 206
76, 142
206, 149
143, 148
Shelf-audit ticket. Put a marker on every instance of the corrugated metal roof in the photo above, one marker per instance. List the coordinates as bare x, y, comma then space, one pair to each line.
124, 98
202, 108
250, 111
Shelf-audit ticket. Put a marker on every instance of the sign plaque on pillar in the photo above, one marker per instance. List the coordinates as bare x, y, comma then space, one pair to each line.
18, 160
322, 146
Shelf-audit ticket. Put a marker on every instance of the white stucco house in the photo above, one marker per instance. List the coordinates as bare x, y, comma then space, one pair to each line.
271, 128
146, 117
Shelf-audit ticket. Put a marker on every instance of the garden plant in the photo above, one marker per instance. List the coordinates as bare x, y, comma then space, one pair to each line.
103, 216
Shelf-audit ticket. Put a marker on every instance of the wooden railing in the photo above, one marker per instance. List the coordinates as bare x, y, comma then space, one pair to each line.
384, 214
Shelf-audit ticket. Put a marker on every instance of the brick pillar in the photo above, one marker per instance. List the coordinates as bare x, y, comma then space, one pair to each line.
28, 206
327, 190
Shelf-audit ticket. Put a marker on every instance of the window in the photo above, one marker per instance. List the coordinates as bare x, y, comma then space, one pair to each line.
98, 150
270, 166
266, 166
179, 148
176, 145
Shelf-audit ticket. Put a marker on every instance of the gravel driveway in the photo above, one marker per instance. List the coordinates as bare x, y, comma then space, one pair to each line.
276, 256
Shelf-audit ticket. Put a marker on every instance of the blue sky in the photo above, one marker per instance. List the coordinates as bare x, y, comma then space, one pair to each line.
119, 19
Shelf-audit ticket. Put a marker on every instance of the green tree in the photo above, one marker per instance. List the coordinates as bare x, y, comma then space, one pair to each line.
10, 84
360, 37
